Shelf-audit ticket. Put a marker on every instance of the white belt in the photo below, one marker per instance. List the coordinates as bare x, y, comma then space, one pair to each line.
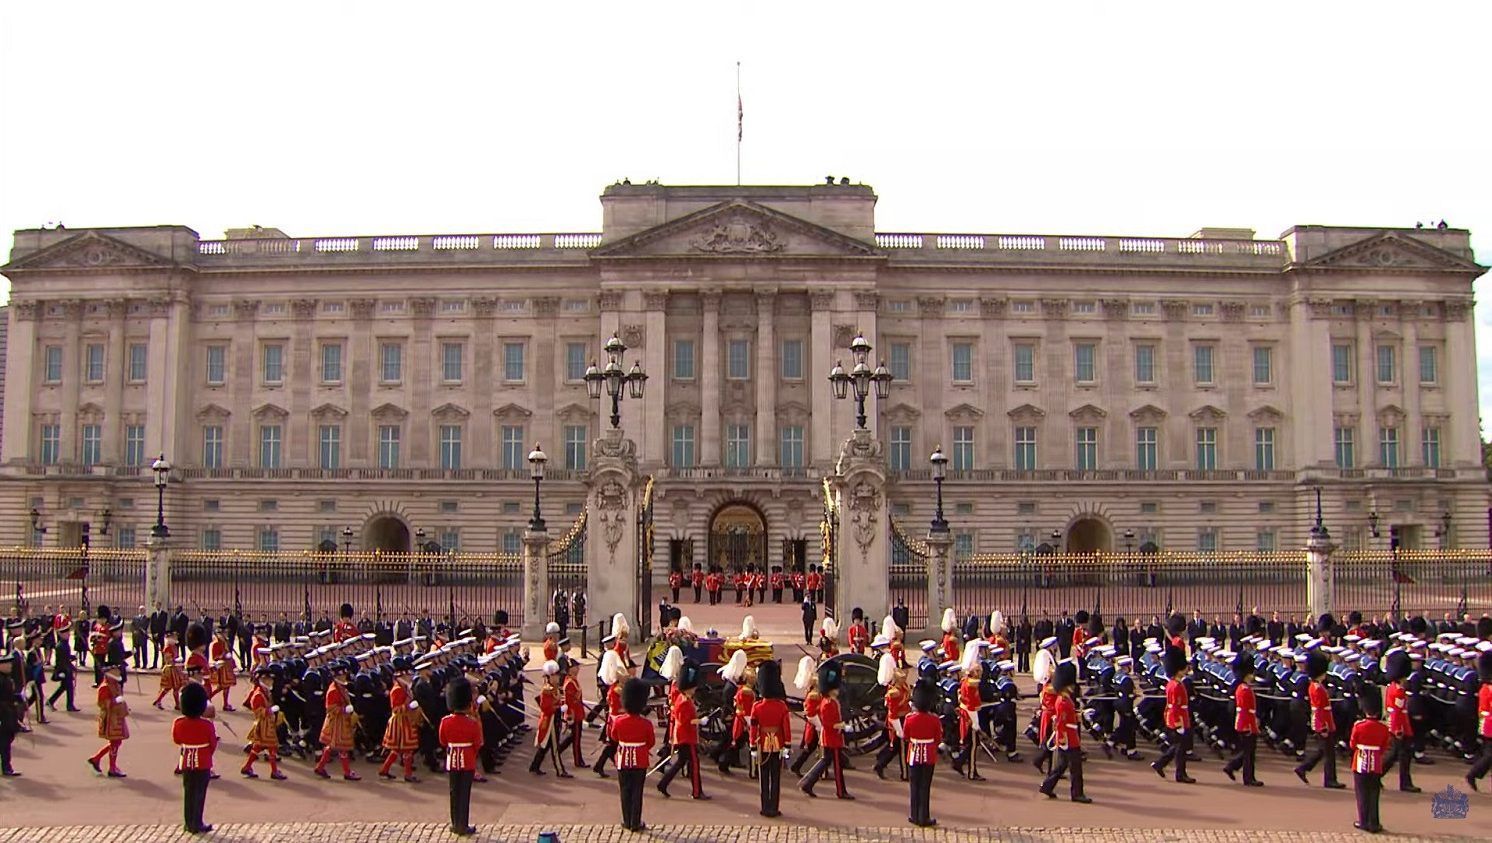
195, 745
1365, 746
454, 745
924, 740
625, 743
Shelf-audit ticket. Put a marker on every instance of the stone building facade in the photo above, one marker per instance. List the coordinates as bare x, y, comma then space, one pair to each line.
1090, 391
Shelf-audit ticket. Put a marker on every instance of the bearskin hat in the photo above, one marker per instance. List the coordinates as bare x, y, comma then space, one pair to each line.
103, 612
1066, 675
688, 675
196, 636
1176, 624
1325, 624
1095, 626
830, 676
769, 681
1243, 665
1397, 666
193, 700
857, 614
1354, 617
1254, 625
925, 695
635, 696
1484, 666
1175, 660
458, 694
1081, 618
1370, 700
500, 617
1418, 625
1316, 664
1484, 628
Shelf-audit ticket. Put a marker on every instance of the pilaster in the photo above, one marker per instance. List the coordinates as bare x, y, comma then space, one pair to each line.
535, 583
711, 380
859, 486
612, 501
766, 379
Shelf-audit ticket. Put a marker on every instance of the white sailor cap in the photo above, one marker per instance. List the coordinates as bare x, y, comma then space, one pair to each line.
1152, 648
881, 640
1226, 654
1205, 640
1352, 639
1282, 650
926, 646
1289, 655
1091, 641
1313, 644
1466, 641
1446, 636
1124, 661
994, 652
1150, 640
1416, 643
608, 639
1372, 644
1005, 665
1304, 636
1484, 646
1416, 657
1326, 648
1049, 641
951, 664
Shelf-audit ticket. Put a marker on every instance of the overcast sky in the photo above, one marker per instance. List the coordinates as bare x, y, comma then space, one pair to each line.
1097, 118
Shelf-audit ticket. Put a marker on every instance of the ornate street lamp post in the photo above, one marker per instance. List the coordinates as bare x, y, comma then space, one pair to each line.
162, 471
615, 378
861, 378
939, 472
536, 460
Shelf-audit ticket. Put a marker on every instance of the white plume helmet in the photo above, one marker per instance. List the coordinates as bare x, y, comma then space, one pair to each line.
996, 622
949, 619
551, 628
611, 668
972, 653
807, 669
748, 627
735, 668
888, 626
886, 673
829, 628
685, 625
619, 625
551, 668
672, 661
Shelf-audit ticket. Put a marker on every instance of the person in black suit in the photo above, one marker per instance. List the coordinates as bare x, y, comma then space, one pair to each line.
63, 673
1235, 632
1119, 636
159, 622
899, 613
180, 622
404, 627
1274, 630
1292, 629
139, 634
1136, 642
1023, 644
282, 629
1065, 628
1044, 628
810, 614
1196, 628
1154, 630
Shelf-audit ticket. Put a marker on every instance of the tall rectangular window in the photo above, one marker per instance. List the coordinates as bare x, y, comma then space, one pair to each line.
1388, 447
93, 365
330, 438
390, 362
1207, 540
1025, 449
1264, 540
900, 458
683, 360
1346, 447
574, 361
450, 539
737, 360
1264, 448
139, 358
963, 544
134, 444
1386, 360
792, 360
212, 446
52, 370
452, 354
212, 539
217, 364
1428, 370
513, 455
790, 451
963, 449
269, 446
513, 361
1087, 449
575, 436
1341, 362
901, 361
737, 445
683, 446
51, 444
92, 440
1202, 364
1430, 446
1206, 449
1024, 355
1263, 364
1147, 455
274, 363
388, 445
268, 540
450, 446
963, 362
1083, 369
512, 542
1145, 364
331, 362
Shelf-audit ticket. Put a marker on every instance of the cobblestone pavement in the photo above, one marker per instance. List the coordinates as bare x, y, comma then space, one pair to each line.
418, 832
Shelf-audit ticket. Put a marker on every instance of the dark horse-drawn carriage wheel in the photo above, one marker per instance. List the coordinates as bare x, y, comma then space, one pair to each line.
862, 702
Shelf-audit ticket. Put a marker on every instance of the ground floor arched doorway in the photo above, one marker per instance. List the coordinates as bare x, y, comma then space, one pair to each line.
387, 533
738, 537
1089, 535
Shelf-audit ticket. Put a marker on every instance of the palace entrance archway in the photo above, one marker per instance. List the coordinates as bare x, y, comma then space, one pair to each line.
738, 537
386, 533
1089, 535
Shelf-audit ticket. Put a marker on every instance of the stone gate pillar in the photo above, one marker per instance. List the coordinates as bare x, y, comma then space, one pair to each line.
157, 573
939, 580
1320, 578
864, 551
535, 583
611, 530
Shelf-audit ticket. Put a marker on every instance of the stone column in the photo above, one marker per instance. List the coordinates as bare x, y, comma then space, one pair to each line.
939, 580
417, 377
157, 573
820, 361
766, 380
1319, 575
112, 451
535, 583
21, 344
1366, 382
74, 364
864, 552
611, 502
711, 381
1461, 444
358, 373
655, 364
1413, 426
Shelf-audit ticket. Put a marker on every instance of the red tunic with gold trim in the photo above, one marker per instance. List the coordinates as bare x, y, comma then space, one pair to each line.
951, 650
829, 715
461, 735
771, 725
1048, 709
968, 706
1178, 706
859, 637
344, 630
1322, 721
675, 580
224, 675
634, 736
203, 673
1484, 710
1245, 717
745, 699
923, 732
898, 652
260, 643
1369, 744
197, 737
574, 702
896, 709
98, 640
776, 581
113, 711
265, 732
549, 703
402, 734
551, 650
172, 676
1396, 703
811, 705
614, 707
1065, 723
338, 730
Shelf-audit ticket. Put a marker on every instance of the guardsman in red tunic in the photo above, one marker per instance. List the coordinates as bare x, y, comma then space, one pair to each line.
401, 736
952, 652
832, 726
897, 702
98, 642
969, 702
713, 582
1323, 725
776, 582
683, 724
858, 634
261, 646
461, 734
1397, 667
675, 582
799, 586
896, 648
264, 735
612, 674
1483, 720
113, 717
923, 731
172, 677
572, 715
814, 583
1369, 745
806, 681
634, 736
340, 726
739, 674
198, 666
1066, 736
194, 733
546, 737
1245, 721
224, 667
771, 734
1178, 718
697, 580
1046, 708
551, 642
345, 629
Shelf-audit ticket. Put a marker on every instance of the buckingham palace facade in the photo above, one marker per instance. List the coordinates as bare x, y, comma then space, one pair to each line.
1093, 392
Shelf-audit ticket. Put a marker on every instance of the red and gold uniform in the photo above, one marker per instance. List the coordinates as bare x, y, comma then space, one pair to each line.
1178, 714
833, 743
113, 723
1369, 743
338, 731
1322, 721
172, 677
98, 640
344, 630
1048, 704
675, 582
634, 737
574, 715
898, 651
810, 740
549, 703
461, 735
260, 643
858, 636
196, 737
1065, 731
224, 676
199, 670
401, 736
264, 735
683, 735
745, 700
1484, 711
1396, 703
1245, 717
951, 648
923, 732
777, 581
969, 702
551, 649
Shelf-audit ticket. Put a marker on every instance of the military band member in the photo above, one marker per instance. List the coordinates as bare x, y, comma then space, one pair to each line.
1323, 725
1044, 671
1177, 718
172, 677
634, 737
1369, 745
572, 717
340, 727
739, 679
771, 734
224, 672
345, 629
612, 674
806, 682
969, 703
832, 727
1400, 726
858, 634
897, 702
551, 642
828, 638
1066, 736
546, 737
1245, 722
113, 715
897, 638
196, 736
950, 647
264, 735
98, 643
1483, 720
401, 735
683, 725
460, 734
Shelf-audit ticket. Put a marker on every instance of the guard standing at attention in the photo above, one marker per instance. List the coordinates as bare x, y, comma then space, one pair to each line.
1396, 699
634, 737
1178, 718
771, 734
923, 731
461, 734
197, 738
1369, 744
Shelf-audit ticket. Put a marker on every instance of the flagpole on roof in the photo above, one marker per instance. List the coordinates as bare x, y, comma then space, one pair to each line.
740, 120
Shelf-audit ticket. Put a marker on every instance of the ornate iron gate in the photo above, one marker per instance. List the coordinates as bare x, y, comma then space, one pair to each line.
829, 546
907, 575
645, 560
